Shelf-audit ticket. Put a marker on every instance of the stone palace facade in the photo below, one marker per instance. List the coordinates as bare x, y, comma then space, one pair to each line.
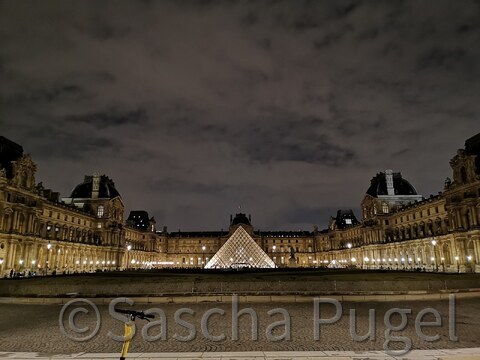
88, 231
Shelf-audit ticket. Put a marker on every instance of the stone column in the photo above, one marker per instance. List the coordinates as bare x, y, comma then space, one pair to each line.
473, 214
13, 225
460, 222
27, 255
10, 251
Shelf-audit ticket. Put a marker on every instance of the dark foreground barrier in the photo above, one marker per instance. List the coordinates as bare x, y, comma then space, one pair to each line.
247, 283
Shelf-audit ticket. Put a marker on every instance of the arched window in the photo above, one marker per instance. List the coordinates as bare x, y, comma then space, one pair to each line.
385, 208
100, 211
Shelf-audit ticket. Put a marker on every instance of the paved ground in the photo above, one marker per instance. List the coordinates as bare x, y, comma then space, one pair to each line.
35, 328
444, 354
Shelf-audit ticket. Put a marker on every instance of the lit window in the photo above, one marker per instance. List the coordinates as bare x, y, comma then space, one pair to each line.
348, 221
100, 211
385, 208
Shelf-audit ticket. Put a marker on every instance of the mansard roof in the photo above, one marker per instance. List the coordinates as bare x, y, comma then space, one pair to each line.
378, 185
106, 190
472, 147
9, 151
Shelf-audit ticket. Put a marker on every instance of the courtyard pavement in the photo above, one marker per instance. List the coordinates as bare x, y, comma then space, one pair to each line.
444, 354
36, 328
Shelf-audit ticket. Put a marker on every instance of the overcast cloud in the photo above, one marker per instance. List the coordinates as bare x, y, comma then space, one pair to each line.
287, 108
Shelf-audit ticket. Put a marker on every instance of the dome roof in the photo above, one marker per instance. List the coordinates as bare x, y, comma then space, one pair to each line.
106, 189
401, 186
240, 219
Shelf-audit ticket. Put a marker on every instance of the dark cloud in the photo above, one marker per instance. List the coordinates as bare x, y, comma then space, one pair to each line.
43, 96
170, 184
333, 38
68, 145
308, 215
446, 59
102, 120
97, 29
287, 108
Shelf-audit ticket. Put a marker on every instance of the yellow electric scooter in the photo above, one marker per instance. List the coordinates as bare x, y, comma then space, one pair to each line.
132, 315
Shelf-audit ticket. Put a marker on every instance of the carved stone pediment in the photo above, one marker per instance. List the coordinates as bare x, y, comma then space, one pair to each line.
24, 172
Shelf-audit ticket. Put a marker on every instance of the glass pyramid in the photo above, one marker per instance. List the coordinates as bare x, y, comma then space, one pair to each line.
240, 251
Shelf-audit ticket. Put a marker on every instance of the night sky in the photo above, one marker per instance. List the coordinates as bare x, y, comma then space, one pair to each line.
285, 108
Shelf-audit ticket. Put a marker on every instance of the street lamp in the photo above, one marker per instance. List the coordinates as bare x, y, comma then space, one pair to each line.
203, 255
434, 242
458, 264
349, 246
366, 259
443, 263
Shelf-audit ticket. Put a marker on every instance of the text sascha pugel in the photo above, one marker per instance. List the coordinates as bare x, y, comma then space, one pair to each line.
157, 330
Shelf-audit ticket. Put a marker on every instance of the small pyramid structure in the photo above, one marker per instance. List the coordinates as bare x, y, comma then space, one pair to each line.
240, 251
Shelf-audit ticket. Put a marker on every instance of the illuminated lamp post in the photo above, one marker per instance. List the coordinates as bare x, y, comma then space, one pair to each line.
434, 242
469, 259
458, 264
349, 246
365, 260
129, 247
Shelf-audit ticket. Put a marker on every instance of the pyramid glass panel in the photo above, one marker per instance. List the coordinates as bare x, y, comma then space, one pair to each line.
240, 251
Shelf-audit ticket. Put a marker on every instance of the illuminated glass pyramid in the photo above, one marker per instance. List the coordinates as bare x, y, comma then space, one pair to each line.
240, 251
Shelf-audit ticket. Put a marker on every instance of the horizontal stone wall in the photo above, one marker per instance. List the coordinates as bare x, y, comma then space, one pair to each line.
51, 287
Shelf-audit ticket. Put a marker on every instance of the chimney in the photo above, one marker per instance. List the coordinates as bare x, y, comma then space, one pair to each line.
95, 185
389, 180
